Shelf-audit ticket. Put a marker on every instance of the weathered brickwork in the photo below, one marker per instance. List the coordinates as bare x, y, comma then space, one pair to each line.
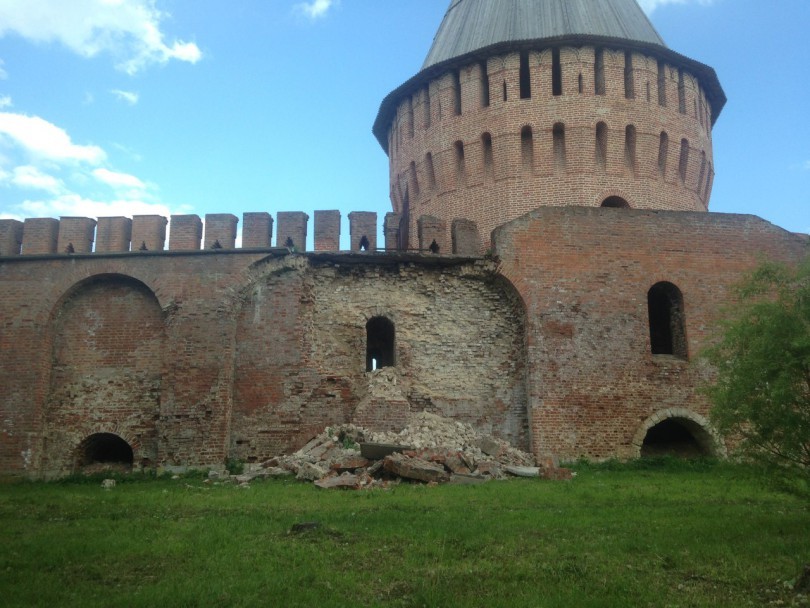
584, 275
567, 276
453, 162
301, 350
192, 357
106, 370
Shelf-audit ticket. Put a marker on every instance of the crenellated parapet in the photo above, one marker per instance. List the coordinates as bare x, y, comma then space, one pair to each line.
218, 232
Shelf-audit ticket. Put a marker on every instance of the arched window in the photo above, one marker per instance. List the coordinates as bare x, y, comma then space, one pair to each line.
601, 145
558, 134
667, 323
599, 72
525, 77
486, 145
379, 343
663, 152
527, 149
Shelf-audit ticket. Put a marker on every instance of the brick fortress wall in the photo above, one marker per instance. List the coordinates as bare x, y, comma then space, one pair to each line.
193, 356
585, 275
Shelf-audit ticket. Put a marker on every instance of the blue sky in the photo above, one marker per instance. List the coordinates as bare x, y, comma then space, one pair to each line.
122, 107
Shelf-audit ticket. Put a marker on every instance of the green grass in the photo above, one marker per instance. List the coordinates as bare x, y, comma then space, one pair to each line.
638, 535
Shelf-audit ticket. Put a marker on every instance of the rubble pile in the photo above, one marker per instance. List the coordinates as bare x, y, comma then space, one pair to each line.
429, 449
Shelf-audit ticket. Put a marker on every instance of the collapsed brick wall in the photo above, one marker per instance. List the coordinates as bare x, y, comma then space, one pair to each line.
301, 351
193, 357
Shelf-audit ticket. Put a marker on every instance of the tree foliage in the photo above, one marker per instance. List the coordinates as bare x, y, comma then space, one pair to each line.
762, 388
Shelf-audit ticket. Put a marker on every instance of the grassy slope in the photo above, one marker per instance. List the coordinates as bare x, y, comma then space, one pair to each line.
705, 537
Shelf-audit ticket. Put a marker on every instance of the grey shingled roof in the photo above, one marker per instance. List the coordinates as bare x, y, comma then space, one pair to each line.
470, 25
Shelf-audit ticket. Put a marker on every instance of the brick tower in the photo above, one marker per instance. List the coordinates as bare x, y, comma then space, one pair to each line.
528, 103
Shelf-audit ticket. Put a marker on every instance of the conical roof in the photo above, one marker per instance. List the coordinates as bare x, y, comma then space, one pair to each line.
472, 25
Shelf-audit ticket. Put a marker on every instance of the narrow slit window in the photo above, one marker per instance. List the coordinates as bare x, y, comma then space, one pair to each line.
629, 77
427, 118
702, 171
456, 93
681, 93
380, 337
556, 73
662, 84
580, 84
599, 72
527, 149
630, 149
460, 168
414, 179
663, 152
683, 163
431, 174
486, 144
525, 76
601, 145
484, 85
558, 135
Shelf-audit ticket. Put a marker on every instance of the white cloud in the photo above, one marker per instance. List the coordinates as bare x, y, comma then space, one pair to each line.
72, 204
128, 96
41, 139
650, 5
3, 73
43, 173
118, 180
127, 29
32, 178
316, 8
5, 101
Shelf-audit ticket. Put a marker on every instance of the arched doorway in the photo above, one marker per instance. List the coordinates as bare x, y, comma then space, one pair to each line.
102, 451
615, 202
680, 433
